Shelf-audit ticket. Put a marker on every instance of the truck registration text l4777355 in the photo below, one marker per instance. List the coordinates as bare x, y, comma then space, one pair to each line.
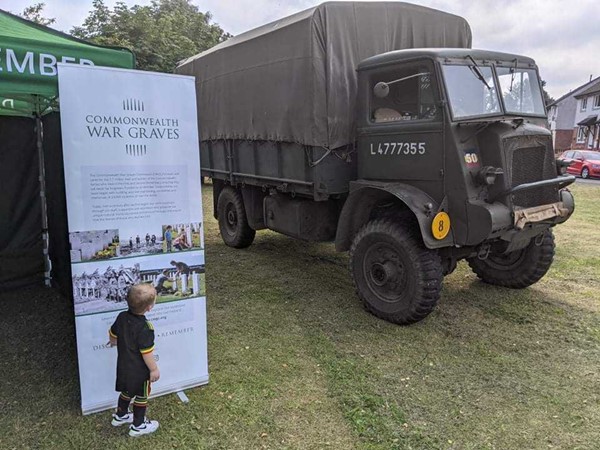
398, 148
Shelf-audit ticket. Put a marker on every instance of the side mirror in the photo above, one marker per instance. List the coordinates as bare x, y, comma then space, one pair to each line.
381, 90
580, 159
561, 166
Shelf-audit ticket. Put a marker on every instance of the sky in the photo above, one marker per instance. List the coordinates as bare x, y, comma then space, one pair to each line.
563, 37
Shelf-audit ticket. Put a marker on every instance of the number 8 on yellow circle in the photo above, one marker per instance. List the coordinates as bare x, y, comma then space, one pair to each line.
440, 227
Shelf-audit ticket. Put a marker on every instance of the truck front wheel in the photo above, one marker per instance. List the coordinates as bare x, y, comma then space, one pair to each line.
395, 276
519, 269
233, 223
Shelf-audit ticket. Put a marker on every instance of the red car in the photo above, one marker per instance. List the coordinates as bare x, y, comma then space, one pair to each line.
585, 163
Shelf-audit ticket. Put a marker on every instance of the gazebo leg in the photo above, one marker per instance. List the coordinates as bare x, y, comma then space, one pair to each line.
44, 206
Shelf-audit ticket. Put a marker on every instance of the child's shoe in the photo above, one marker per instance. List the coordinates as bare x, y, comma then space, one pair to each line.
117, 420
147, 427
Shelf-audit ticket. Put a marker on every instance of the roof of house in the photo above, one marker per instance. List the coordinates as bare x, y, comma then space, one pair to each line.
589, 121
577, 91
593, 89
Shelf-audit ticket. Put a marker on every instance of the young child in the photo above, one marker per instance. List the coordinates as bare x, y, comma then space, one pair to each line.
136, 368
161, 279
169, 238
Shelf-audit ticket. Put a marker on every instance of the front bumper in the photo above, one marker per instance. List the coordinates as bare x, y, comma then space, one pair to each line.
498, 221
561, 182
542, 213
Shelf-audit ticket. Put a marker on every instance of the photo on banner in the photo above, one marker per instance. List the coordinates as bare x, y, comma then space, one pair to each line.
134, 204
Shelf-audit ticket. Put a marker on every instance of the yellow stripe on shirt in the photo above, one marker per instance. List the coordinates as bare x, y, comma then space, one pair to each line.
111, 334
143, 351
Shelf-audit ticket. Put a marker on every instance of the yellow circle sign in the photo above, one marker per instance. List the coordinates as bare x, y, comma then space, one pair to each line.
440, 227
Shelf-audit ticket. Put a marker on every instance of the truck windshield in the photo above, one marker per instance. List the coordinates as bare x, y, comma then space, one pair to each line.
520, 91
471, 90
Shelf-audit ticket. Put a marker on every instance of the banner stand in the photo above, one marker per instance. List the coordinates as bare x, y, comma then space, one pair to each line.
134, 204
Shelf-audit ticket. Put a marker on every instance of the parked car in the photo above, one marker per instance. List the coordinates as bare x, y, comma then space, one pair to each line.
585, 163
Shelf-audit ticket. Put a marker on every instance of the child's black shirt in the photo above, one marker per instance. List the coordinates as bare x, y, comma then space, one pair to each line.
135, 336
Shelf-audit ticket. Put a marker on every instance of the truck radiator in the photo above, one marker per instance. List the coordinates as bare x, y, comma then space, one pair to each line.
529, 164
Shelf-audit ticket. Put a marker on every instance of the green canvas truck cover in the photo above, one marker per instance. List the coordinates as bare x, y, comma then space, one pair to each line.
294, 80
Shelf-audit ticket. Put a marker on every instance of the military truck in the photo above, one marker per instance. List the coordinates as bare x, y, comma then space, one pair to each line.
377, 127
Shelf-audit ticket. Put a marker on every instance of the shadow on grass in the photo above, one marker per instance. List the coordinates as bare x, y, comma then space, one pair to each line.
39, 358
281, 258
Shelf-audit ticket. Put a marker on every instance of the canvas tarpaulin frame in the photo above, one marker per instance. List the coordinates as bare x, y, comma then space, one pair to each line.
28, 89
294, 80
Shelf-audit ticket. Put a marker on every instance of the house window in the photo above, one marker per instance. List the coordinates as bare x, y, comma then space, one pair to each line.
597, 101
580, 135
584, 104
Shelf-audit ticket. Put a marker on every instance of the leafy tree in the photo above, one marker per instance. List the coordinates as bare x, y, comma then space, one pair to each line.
34, 13
547, 98
160, 34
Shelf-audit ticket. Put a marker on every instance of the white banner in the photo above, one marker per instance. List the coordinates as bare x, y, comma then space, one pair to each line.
132, 175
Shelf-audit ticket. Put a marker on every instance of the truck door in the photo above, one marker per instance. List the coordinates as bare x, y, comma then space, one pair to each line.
400, 134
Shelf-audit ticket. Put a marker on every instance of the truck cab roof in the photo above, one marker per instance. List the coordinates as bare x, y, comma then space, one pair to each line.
451, 55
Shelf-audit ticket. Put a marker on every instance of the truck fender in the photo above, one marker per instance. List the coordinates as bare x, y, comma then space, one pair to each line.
365, 195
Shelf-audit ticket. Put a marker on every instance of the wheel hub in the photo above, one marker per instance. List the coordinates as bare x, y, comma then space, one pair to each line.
384, 272
231, 217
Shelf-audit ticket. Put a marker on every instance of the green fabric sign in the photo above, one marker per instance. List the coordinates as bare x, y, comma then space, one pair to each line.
29, 54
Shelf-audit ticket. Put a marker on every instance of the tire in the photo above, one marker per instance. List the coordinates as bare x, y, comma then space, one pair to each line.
395, 276
520, 269
233, 223
585, 173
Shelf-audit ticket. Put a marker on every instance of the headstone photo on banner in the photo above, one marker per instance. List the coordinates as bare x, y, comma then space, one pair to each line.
134, 203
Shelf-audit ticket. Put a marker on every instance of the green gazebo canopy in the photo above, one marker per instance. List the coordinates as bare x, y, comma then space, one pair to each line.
29, 54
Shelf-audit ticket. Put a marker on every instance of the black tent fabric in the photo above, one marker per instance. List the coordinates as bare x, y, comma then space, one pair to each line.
21, 261
21, 257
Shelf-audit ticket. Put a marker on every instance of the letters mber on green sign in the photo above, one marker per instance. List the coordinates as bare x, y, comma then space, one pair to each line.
29, 54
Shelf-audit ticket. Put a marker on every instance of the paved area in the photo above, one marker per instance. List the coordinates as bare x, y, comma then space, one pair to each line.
595, 181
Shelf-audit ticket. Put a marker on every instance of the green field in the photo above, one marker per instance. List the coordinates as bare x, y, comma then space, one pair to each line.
295, 362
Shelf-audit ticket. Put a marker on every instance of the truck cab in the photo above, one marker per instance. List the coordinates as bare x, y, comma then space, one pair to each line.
454, 162
466, 128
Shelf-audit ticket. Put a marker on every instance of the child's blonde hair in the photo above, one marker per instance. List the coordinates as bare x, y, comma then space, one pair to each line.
140, 297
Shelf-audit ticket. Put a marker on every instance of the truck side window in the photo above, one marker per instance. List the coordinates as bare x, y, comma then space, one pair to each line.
410, 99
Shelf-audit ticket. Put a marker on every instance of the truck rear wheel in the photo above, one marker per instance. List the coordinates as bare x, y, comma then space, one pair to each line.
233, 223
519, 269
395, 276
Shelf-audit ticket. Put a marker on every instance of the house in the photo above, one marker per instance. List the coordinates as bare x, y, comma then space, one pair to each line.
562, 115
586, 134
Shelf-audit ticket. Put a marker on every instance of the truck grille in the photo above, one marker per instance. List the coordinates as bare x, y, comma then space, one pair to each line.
529, 164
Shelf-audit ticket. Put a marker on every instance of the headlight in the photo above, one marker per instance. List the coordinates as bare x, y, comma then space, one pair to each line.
488, 174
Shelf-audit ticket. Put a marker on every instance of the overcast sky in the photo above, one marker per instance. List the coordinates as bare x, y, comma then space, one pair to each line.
563, 37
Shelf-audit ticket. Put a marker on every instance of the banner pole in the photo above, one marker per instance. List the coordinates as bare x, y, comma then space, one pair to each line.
44, 205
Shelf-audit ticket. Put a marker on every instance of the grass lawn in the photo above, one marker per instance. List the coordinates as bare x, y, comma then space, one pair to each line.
295, 362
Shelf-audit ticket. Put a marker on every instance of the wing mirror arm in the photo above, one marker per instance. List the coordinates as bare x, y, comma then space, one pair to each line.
382, 89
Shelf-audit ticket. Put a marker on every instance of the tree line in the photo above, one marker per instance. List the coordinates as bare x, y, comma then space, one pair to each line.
160, 34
